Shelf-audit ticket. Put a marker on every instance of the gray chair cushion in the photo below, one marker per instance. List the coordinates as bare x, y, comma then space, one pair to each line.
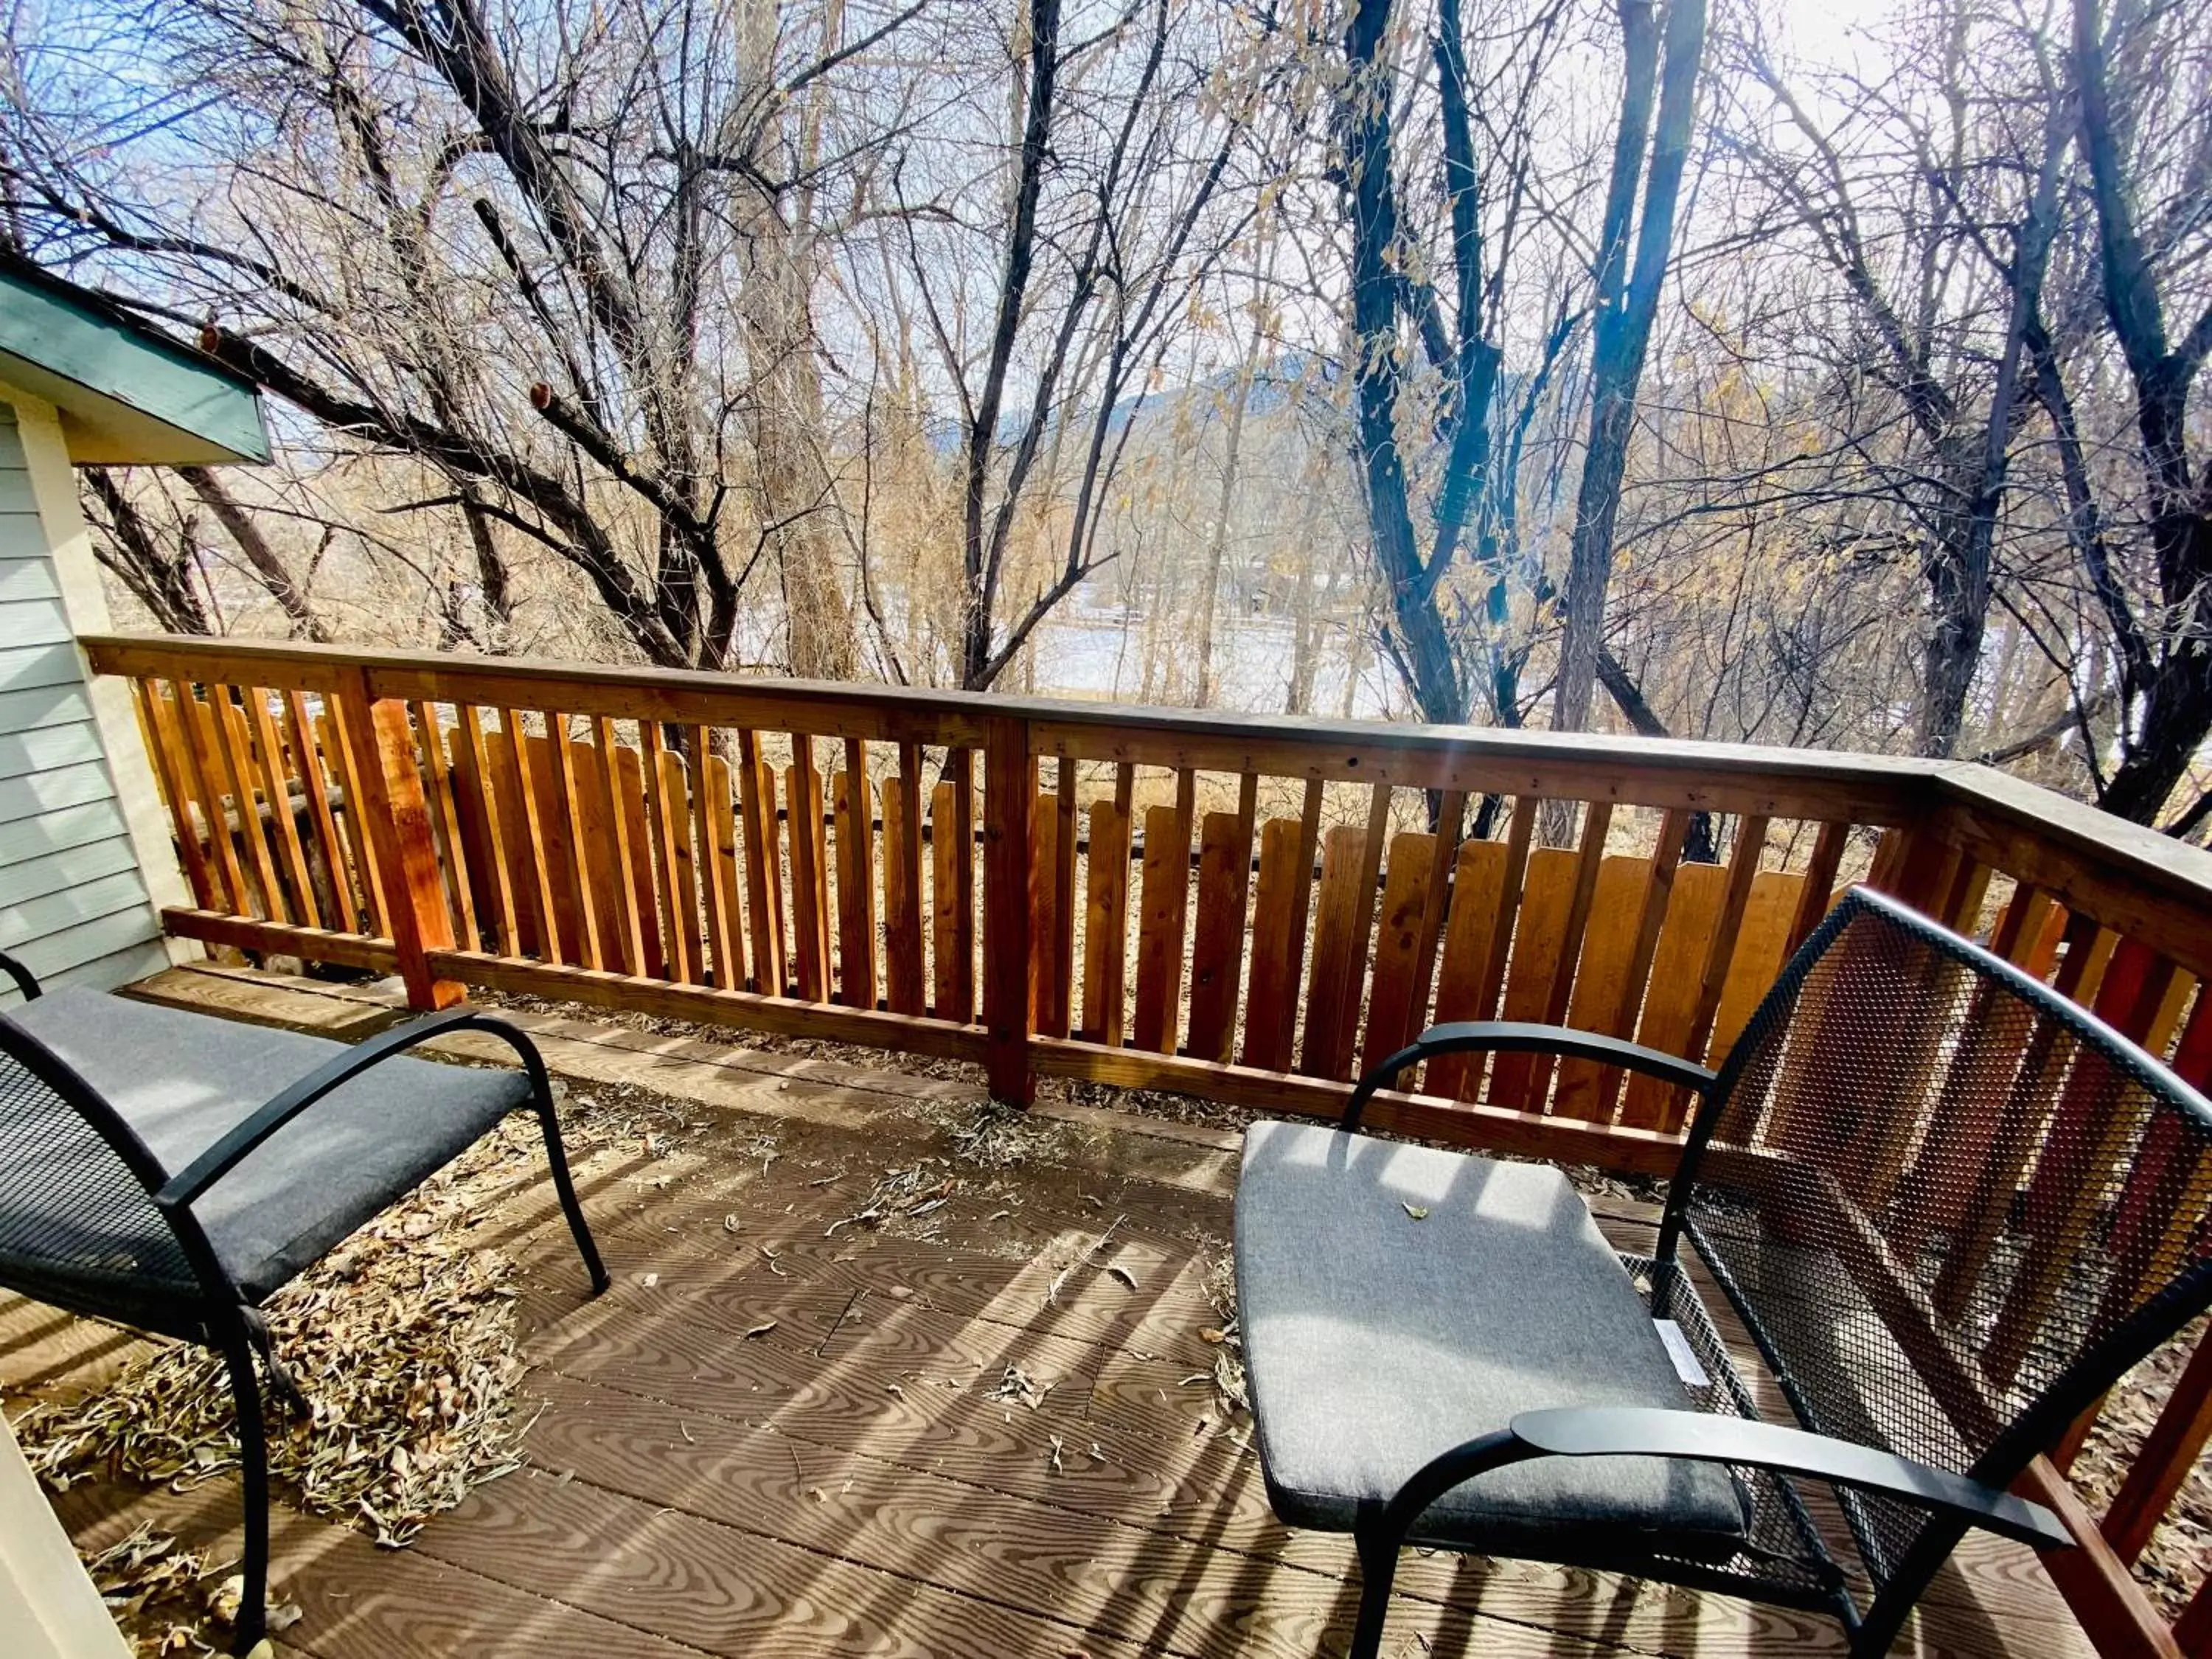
1374, 1341
183, 1079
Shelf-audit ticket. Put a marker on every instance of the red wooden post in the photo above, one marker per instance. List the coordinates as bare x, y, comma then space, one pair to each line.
398, 820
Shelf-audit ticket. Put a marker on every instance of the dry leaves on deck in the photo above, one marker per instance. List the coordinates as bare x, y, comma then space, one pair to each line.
403, 1341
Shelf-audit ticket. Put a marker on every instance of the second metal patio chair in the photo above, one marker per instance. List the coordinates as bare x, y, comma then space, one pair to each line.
149, 1177
1928, 1206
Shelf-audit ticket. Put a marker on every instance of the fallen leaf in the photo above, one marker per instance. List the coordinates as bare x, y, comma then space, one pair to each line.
761, 1330
1211, 1335
1418, 1211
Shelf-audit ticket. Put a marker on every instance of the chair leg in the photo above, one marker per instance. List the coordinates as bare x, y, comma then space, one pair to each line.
556, 1158
1378, 1567
253, 1464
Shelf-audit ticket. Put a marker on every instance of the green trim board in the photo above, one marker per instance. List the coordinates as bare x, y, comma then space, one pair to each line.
125, 394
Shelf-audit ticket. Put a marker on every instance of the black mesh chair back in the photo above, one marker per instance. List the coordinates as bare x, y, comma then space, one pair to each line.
78, 1224
1949, 1207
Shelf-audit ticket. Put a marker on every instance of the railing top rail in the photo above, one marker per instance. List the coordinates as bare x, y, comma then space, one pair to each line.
1723, 777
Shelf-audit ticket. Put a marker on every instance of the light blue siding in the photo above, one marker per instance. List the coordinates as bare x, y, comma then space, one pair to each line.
73, 904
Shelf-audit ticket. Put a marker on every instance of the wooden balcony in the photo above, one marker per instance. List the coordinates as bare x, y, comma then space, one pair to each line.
1241, 910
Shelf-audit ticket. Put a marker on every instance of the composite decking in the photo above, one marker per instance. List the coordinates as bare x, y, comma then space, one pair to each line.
986, 1429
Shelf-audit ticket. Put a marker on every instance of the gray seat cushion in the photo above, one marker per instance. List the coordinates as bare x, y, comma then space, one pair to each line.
182, 1081
1375, 1341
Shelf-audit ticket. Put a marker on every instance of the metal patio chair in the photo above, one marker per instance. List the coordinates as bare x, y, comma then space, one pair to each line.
149, 1177
1932, 1207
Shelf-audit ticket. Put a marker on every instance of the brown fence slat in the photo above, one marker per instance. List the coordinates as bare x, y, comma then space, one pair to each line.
637, 825
532, 844
1338, 953
1062, 946
570, 790
721, 852
853, 801
1539, 933
810, 871
488, 878
904, 984
561, 866
240, 771
1478, 878
763, 866
1392, 1010
1283, 881
1160, 928
721, 911
1106, 925
1519, 834
1047, 997
668, 803
1217, 935
1762, 944
622, 846
1814, 903
284, 818
1671, 1003
1616, 918
599, 838
166, 745
952, 913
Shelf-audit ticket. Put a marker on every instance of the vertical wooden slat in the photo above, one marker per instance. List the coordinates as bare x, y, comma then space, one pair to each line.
473, 807
519, 851
165, 744
637, 829
282, 818
1337, 954
1518, 833
718, 895
1005, 909
1477, 876
960, 773
492, 867
1761, 947
1165, 905
1399, 927
2072, 1178
686, 942
1063, 897
1285, 877
1658, 896
720, 851
564, 864
1540, 934
538, 865
952, 954
1670, 1003
1451, 816
853, 802
624, 927
1597, 823
1819, 883
810, 872
238, 771
445, 822
1106, 925
1047, 1004
338, 738
2168, 1458
202, 773
1224, 857
1618, 911
1298, 898
1960, 909
903, 982
668, 808
1743, 869
908, 926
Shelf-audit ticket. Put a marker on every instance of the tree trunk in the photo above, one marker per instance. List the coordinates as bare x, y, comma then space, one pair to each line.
1623, 329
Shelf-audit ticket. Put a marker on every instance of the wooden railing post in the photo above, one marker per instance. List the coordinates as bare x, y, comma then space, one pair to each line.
398, 819
1006, 806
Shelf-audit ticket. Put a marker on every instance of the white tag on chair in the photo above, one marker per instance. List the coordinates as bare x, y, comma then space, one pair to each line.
1678, 1350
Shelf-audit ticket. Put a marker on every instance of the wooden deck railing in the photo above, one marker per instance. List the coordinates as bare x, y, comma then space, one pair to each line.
1243, 909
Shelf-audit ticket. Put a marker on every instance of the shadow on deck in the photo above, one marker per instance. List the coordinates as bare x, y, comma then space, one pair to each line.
972, 1428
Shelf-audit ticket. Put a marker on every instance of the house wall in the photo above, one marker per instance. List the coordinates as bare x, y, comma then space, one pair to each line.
85, 855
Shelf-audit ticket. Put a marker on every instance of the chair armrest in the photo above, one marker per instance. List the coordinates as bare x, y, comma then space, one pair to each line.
25, 981
211, 1165
1513, 1036
1704, 1437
